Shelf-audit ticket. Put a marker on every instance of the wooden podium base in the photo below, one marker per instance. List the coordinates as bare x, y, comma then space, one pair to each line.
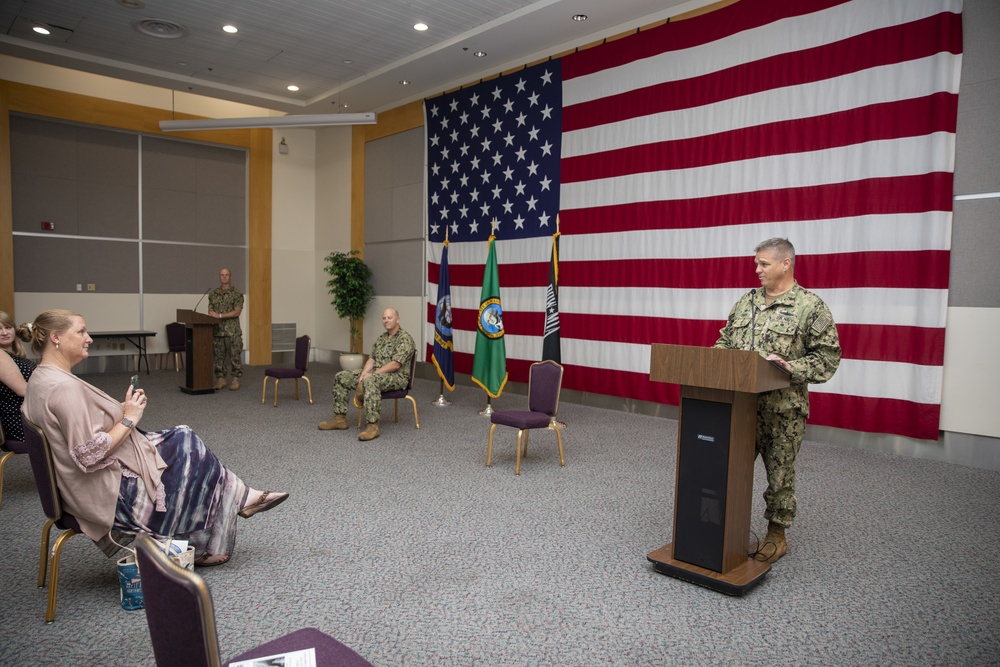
736, 582
189, 390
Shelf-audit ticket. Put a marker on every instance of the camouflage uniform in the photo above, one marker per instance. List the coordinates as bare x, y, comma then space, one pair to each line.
799, 328
228, 343
399, 348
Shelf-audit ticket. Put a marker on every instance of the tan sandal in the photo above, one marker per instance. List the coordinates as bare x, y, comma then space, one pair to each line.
210, 560
263, 504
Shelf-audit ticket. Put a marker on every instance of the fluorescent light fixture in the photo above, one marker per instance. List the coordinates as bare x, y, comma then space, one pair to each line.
304, 120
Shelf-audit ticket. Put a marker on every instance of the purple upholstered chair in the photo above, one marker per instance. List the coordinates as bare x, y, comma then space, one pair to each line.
9, 448
181, 619
279, 372
544, 385
40, 455
395, 394
176, 343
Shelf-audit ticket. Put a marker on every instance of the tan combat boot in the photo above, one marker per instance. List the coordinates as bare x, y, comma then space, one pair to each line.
220, 383
234, 385
774, 540
370, 432
338, 423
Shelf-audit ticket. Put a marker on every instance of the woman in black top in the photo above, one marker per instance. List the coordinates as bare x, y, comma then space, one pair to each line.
15, 369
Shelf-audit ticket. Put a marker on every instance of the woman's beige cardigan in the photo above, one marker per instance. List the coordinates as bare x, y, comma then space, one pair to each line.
73, 415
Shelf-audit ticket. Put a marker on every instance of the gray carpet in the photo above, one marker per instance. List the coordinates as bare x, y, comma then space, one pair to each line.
412, 552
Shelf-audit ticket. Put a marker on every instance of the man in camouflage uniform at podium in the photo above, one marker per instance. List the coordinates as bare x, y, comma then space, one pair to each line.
793, 328
226, 303
388, 368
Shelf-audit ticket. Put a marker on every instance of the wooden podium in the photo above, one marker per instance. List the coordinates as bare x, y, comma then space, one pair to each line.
715, 460
199, 352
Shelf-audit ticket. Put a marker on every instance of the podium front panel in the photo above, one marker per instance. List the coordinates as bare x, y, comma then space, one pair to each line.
702, 479
189, 358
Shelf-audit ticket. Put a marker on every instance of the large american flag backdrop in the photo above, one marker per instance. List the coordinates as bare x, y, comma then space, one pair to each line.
669, 154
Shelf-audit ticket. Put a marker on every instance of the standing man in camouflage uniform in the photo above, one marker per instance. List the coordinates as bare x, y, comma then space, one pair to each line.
388, 368
793, 328
226, 303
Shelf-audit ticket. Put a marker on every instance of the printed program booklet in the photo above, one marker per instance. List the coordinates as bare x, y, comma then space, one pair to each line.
303, 658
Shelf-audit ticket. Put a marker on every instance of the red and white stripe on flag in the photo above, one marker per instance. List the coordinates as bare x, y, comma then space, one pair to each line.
830, 123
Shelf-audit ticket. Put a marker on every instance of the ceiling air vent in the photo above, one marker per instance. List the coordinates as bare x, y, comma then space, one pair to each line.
160, 28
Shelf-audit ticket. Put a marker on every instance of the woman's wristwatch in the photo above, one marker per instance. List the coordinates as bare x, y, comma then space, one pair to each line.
128, 422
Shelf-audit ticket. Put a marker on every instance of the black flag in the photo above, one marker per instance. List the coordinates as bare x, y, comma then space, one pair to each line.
551, 348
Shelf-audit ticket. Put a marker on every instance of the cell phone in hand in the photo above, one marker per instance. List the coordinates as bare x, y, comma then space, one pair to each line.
135, 382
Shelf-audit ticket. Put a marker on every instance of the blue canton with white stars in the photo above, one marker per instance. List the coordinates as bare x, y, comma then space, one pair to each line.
493, 157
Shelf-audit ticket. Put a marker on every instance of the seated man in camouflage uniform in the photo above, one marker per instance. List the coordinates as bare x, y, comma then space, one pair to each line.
793, 328
388, 368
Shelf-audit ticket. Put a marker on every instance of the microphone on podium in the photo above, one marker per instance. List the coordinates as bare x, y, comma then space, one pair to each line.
202, 298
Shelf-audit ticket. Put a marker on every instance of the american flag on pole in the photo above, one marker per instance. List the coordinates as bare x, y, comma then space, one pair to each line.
829, 122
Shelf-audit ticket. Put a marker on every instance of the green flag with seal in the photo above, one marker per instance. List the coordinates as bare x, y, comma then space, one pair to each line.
489, 366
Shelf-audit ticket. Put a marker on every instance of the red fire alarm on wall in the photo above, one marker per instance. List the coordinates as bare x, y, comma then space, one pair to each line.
48, 226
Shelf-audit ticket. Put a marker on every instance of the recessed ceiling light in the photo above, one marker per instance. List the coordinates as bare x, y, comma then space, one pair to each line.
420, 26
293, 88
347, 61
182, 63
132, 4
344, 105
231, 29
41, 30
480, 54
404, 82
579, 17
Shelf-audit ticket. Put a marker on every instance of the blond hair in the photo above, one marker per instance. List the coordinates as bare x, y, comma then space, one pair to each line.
37, 333
15, 345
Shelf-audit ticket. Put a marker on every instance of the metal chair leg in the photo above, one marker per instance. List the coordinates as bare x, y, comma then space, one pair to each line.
50, 610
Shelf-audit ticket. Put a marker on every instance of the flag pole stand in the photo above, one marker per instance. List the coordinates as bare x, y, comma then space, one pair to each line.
441, 401
488, 410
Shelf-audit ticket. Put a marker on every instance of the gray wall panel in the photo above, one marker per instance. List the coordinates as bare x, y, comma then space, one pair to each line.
169, 215
112, 266
222, 171
408, 211
181, 269
86, 180
43, 147
378, 218
398, 267
221, 219
108, 209
975, 241
977, 150
104, 156
394, 211
169, 165
38, 198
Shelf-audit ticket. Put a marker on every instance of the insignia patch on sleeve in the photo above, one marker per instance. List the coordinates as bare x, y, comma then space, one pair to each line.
821, 323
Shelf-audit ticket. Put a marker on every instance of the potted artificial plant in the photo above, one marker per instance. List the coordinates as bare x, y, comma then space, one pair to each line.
350, 285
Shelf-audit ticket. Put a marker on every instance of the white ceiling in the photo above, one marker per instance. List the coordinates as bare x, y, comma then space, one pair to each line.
338, 52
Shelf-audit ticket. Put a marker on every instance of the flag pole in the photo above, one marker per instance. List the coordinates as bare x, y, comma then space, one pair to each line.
488, 410
441, 400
